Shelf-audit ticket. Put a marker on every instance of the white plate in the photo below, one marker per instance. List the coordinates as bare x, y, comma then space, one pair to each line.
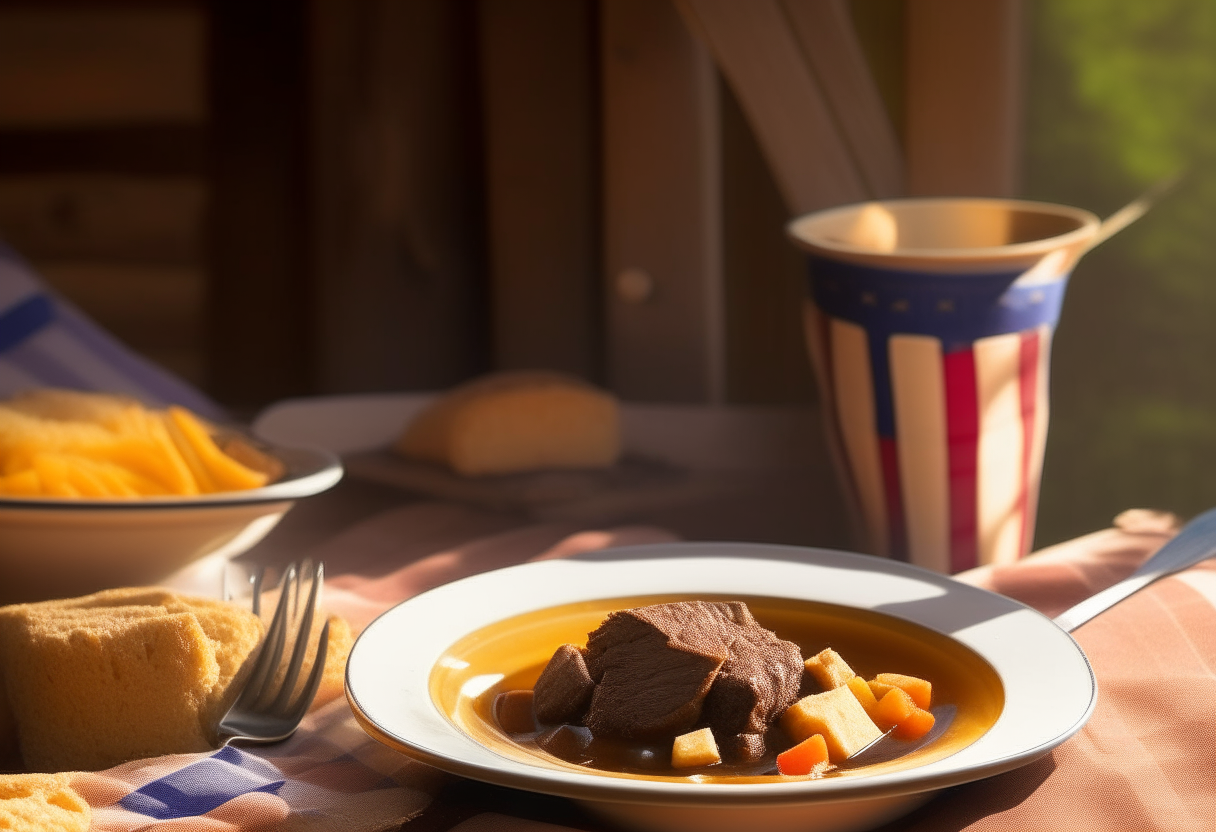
57, 547
1049, 688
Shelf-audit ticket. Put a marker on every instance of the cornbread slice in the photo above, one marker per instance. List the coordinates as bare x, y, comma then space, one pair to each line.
122, 674
514, 422
38, 802
333, 678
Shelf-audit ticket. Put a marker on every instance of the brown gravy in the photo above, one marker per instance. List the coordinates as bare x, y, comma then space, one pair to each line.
576, 745
968, 695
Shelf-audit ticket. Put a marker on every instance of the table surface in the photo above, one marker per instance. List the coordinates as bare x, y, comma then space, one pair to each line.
1145, 761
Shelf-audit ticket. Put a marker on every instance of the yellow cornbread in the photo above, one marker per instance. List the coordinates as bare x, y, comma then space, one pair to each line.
121, 674
91, 682
38, 802
518, 421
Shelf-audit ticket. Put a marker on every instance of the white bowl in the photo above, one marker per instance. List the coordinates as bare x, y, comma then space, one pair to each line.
55, 548
419, 678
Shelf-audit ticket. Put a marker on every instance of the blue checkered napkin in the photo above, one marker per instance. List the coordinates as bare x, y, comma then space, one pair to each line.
331, 773
47, 342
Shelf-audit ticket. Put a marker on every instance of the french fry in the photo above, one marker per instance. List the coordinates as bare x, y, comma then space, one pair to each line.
116, 480
66, 443
185, 448
223, 471
21, 484
53, 472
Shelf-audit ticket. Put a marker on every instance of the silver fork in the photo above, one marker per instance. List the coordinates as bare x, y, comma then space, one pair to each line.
265, 710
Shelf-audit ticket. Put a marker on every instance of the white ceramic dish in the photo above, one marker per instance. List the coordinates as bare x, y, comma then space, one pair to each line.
416, 676
65, 547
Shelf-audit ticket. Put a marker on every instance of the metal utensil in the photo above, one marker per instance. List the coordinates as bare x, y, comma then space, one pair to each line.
1195, 543
268, 708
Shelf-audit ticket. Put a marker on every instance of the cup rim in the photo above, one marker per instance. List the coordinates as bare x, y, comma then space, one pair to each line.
1087, 228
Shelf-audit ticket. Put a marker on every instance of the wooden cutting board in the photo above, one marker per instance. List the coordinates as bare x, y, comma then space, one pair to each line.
633, 485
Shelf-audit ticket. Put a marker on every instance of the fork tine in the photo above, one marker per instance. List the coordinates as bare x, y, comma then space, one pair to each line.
258, 579
303, 633
263, 673
296, 713
264, 710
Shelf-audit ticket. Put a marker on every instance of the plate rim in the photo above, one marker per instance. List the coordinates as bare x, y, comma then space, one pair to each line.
483, 764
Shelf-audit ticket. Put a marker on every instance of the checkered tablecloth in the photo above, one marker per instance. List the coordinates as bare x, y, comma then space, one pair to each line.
1145, 761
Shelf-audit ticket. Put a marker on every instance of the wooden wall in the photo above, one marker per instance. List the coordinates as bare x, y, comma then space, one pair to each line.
281, 198
103, 164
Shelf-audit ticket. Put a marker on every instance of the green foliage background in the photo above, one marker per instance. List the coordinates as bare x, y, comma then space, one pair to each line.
1119, 95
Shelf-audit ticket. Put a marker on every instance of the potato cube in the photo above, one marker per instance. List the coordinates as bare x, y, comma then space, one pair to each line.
838, 716
696, 748
829, 670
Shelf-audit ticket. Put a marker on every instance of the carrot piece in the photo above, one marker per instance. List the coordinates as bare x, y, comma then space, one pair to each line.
807, 757
864, 695
893, 708
916, 725
879, 689
920, 690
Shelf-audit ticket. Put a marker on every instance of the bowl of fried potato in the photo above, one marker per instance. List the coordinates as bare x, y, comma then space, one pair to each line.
98, 491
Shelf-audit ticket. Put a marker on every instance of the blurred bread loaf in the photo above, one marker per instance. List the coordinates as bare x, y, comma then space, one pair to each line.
88, 683
39, 802
513, 422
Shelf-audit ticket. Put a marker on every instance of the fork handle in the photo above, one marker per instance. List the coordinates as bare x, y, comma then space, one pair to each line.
1196, 542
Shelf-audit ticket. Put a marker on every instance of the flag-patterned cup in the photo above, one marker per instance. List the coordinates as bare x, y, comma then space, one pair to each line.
929, 325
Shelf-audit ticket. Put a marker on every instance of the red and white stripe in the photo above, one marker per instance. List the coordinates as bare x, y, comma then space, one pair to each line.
957, 484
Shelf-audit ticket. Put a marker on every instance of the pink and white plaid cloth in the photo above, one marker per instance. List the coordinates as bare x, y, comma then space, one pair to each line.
330, 775
1145, 761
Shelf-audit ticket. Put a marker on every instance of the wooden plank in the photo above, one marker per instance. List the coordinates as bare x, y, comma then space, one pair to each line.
879, 25
539, 88
662, 208
831, 48
396, 242
145, 306
964, 62
63, 65
260, 305
755, 47
765, 276
158, 311
125, 219
148, 149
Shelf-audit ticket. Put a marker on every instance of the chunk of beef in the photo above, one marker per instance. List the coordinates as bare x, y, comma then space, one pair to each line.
564, 688
742, 748
653, 667
654, 672
759, 680
567, 742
